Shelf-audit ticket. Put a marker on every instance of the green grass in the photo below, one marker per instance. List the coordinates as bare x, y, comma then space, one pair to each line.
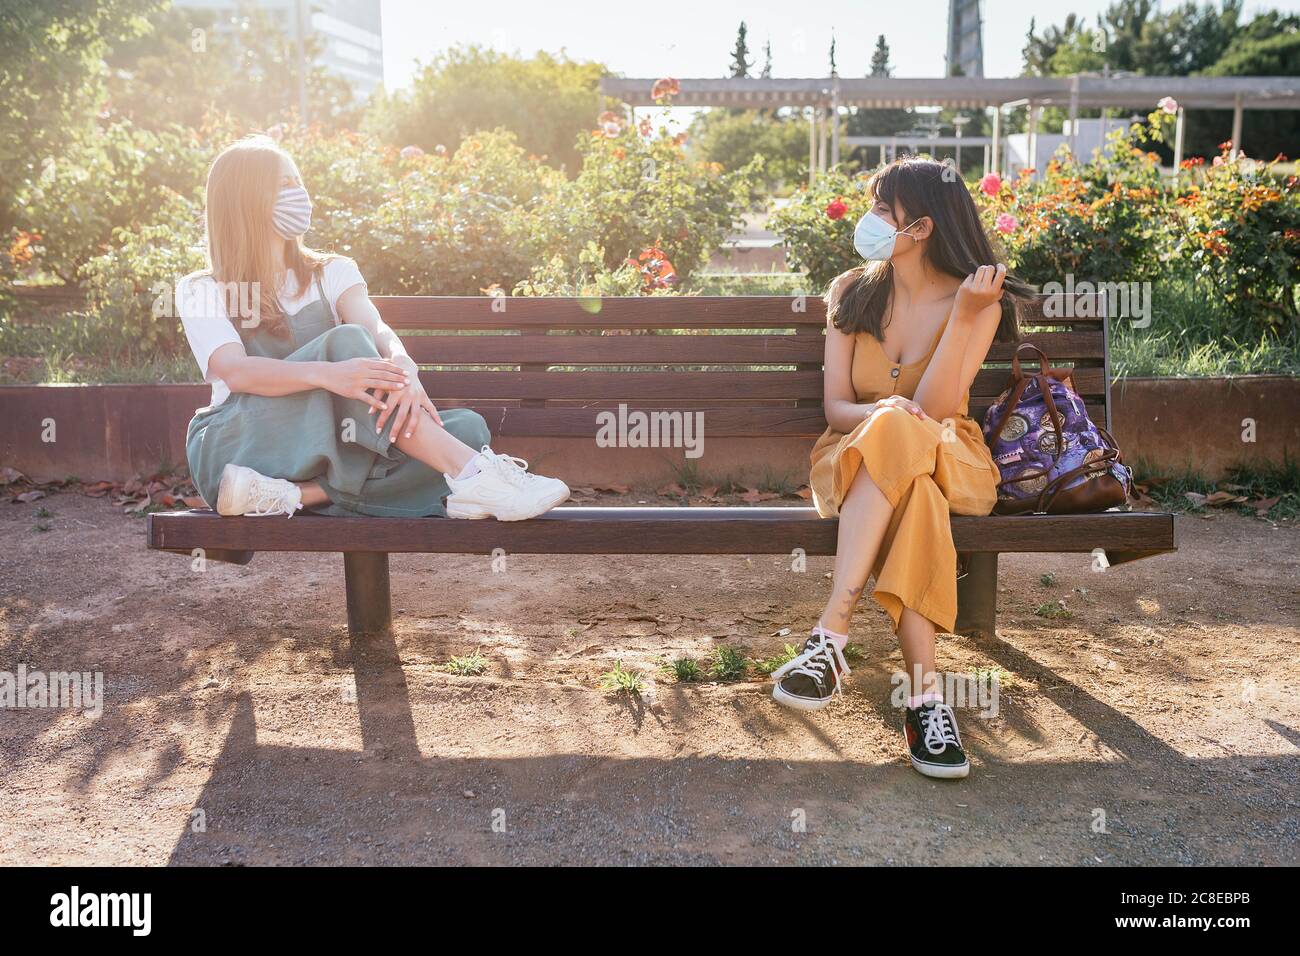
1054, 610
766, 665
728, 664
471, 665
685, 670
1047, 580
620, 680
1194, 333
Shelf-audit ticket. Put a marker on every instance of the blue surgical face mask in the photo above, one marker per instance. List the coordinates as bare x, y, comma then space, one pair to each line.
874, 238
291, 214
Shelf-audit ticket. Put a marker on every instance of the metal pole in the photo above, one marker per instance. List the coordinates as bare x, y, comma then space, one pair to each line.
1074, 115
812, 145
835, 124
1178, 140
302, 61
997, 135
1034, 110
1236, 122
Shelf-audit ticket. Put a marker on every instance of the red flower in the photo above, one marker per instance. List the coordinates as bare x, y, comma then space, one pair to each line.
991, 184
836, 209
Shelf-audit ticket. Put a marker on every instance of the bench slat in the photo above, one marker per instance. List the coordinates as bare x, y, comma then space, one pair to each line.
644, 531
712, 386
631, 312
659, 312
735, 421
1062, 347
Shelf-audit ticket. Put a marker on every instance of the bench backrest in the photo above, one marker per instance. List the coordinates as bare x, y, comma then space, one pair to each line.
547, 366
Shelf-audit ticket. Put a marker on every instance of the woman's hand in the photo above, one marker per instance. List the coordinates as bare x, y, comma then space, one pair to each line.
405, 407
358, 377
898, 401
980, 289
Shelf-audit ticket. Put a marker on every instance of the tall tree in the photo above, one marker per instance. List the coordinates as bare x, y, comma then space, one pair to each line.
767, 60
880, 58
740, 62
834, 72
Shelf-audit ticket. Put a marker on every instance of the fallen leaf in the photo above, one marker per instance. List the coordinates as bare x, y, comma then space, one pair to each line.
1262, 506
673, 489
28, 496
1195, 498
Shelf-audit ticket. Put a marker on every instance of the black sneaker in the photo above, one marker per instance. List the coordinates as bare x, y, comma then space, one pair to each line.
933, 741
808, 681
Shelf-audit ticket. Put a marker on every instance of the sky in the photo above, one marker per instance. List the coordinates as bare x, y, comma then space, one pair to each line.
653, 38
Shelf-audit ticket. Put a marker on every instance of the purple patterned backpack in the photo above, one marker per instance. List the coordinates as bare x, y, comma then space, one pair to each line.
1052, 457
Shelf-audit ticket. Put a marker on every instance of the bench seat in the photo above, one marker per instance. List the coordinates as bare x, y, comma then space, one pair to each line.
748, 366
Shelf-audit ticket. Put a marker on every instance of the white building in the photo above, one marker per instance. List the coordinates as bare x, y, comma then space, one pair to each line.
350, 32
1091, 135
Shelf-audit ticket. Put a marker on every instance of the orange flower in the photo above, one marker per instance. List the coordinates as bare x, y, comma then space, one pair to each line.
665, 88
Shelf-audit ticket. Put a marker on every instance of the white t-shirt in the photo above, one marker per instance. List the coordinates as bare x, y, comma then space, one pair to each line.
202, 308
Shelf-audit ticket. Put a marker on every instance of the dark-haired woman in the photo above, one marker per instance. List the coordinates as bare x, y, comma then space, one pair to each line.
906, 334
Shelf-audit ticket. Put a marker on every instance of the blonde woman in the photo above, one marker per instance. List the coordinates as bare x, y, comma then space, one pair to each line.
315, 403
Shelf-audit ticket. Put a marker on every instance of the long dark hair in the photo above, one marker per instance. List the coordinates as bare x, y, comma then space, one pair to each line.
957, 246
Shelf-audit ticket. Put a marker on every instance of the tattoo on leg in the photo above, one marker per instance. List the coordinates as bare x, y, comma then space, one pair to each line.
851, 596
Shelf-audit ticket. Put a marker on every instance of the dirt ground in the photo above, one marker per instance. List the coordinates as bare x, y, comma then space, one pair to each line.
241, 727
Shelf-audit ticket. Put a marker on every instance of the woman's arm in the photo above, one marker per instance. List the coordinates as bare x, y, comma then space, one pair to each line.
353, 378
840, 403
971, 328
355, 308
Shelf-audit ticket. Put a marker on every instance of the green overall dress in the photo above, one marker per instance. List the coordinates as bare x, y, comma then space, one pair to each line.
319, 436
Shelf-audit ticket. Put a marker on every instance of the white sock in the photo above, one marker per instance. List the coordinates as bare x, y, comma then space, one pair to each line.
839, 640
470, 470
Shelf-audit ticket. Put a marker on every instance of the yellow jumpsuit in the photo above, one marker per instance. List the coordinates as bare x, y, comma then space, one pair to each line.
927, 470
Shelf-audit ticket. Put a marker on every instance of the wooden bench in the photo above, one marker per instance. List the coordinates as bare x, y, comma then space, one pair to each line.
547, 367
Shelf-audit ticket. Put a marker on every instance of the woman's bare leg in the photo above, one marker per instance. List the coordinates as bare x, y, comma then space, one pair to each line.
916, 635
864, 518
313, 495
436, 447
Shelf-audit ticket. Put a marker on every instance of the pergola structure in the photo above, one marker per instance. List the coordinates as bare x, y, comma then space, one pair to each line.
826, 97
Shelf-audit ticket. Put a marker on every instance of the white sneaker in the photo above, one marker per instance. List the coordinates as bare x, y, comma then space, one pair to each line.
503, 489
246, 492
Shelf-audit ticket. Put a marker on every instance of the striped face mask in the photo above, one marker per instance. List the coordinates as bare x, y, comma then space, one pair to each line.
291, 214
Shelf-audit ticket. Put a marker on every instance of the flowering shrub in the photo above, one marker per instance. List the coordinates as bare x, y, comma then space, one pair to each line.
130, 288
638, 189
1238, 232
817, 225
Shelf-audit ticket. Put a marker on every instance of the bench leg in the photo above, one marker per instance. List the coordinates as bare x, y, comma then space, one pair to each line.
370, 609
977, 596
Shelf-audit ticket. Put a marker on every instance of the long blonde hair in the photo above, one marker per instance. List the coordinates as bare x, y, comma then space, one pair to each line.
243, 183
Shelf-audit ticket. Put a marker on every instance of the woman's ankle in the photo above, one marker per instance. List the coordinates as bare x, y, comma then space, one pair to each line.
839, 637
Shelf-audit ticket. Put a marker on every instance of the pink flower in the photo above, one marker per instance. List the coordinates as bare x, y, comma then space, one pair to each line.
836, 209
1007, 223
1168, 104
410, 152
1218, 160
991, 184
